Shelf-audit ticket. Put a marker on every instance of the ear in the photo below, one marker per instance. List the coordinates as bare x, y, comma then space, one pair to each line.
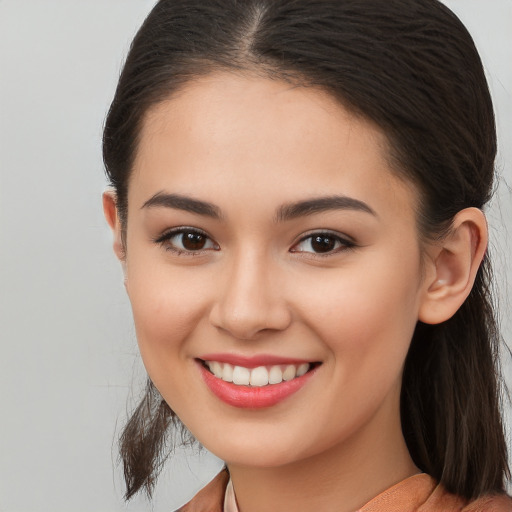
111, 214
452, 266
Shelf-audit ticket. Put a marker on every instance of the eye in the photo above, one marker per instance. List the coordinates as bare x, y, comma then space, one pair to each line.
186, 240
322, 243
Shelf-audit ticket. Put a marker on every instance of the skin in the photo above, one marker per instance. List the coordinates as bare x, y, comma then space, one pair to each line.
249, 146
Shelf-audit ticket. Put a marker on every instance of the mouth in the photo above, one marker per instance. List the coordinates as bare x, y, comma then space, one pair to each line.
251, 384
259, 376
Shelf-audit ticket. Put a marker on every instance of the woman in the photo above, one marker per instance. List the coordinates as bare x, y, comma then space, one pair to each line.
297, 205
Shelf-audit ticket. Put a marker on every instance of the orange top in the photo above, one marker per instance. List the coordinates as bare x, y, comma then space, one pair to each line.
419, 493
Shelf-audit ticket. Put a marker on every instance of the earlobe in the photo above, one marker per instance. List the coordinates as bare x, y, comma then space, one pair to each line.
454, 264
112, 217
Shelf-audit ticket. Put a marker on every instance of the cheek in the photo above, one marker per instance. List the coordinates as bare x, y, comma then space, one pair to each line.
365, 314
366, 324
167, 306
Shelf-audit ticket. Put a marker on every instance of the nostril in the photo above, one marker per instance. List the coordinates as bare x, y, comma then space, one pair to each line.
249, 323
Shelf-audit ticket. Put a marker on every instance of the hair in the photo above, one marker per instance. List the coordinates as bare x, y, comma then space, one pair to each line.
409, 66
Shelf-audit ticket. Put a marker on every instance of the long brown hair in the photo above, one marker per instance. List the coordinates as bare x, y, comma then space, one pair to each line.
411, 67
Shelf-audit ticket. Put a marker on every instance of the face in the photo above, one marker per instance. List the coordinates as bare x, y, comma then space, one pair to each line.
268, 240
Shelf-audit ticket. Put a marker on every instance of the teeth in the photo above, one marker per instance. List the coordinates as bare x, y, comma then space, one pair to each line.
275, 376
289, 372
302, 369
241, 376
257, 377
216, 369
227, 373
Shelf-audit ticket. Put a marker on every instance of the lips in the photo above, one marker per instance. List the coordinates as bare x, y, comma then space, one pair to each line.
256, 382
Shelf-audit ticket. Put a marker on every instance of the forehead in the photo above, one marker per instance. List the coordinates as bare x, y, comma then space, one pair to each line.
225, 134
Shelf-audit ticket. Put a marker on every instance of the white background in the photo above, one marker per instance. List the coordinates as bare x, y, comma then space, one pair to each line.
69, 363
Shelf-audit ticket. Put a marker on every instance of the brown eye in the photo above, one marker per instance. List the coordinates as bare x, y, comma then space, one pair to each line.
322, 243
186, 241
192, 241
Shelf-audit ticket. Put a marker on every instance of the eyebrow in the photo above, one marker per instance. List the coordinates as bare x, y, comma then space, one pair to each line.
178, 202
321, 204
284, 213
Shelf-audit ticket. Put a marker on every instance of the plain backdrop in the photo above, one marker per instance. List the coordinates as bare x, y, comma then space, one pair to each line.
69, 367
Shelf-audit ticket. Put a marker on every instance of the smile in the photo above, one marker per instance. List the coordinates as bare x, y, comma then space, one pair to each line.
255, 385
257, 377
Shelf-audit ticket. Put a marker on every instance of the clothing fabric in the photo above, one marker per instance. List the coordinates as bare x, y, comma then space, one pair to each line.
418, 493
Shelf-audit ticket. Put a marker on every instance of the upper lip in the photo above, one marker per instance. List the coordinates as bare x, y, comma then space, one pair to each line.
253, 361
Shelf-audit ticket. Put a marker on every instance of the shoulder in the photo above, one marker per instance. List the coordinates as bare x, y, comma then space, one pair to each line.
209, 498
421, 493
442, 500
490, 503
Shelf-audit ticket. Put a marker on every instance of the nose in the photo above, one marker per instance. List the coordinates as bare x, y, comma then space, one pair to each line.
250, 299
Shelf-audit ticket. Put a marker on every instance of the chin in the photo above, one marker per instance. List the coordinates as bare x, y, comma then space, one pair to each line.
258, 458
256, 449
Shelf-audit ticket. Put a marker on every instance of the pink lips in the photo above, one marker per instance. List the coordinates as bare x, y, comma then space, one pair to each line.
248, 397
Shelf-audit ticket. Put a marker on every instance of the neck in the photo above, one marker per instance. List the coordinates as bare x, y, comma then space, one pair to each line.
342, 479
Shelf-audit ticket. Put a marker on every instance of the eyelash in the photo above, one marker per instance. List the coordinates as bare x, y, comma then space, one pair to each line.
340, 243
165, 241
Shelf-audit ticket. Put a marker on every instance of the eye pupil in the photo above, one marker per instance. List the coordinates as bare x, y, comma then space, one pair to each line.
193, 241
322, 243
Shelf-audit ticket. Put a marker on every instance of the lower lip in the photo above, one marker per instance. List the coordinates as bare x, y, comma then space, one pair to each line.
247, 397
